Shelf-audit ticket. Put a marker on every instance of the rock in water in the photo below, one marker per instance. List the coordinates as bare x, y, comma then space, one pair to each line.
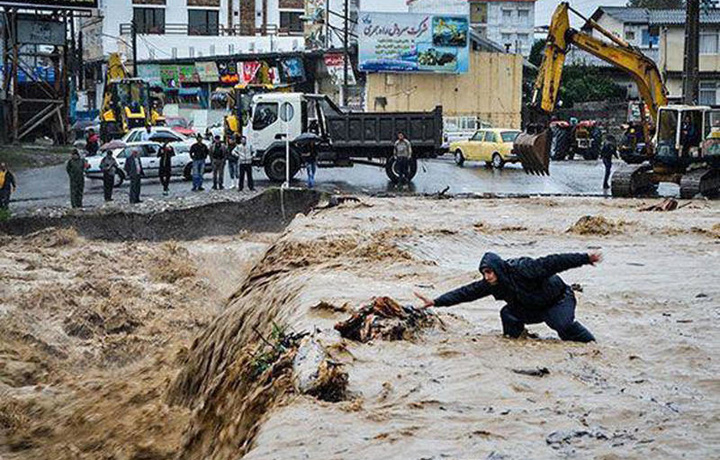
315, 374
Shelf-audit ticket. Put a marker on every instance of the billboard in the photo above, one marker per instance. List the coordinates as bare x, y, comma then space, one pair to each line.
413, 42
55, 4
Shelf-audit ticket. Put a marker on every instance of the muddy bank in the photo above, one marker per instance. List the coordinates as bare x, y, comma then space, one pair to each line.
261, 213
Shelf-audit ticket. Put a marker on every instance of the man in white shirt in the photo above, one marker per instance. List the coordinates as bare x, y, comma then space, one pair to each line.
145, 136
244, 153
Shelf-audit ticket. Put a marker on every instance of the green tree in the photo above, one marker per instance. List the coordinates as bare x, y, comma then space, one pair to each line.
585, 83
656, 4
536, 52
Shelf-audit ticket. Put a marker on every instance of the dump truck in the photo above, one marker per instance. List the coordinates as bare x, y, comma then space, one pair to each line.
338, 138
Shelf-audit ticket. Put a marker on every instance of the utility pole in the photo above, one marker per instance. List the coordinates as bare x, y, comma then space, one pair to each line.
692, 52
134, 47
346, 57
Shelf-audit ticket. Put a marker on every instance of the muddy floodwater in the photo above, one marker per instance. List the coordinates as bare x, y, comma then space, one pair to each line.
152, 349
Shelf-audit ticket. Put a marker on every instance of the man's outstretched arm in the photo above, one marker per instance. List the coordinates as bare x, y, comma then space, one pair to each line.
467, 293
544, 267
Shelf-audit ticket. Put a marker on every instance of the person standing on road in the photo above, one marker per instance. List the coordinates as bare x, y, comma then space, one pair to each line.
403, 154
75, 168
92, 143
108, 166
244, 152
311, 164
134, 170
218, 153
145, 136
199, 153
165, 171
7, 186
232, 160
609, 150
532, 289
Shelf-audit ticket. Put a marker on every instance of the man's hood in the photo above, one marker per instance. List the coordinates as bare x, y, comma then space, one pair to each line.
498, 265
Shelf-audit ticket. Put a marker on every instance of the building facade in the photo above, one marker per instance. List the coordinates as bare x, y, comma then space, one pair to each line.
509, 23
170, 29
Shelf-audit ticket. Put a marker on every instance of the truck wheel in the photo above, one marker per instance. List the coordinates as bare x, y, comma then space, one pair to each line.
392, 172
497, 161
187, 172
459, 158
275, 166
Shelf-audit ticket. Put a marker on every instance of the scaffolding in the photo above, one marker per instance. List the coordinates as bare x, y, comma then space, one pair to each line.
39, 57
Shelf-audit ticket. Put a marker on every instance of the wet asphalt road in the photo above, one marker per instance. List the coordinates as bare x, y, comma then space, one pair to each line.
49, 186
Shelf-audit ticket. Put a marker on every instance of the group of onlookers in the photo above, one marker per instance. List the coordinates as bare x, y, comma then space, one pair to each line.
236, 153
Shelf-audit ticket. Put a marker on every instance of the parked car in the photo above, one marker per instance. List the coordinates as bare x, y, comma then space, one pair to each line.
493, 146
181, 125
181, 163
135, 134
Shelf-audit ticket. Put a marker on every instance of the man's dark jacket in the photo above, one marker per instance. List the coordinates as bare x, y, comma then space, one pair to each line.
199, 151
525, 284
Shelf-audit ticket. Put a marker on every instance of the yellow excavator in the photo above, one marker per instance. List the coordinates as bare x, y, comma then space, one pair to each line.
126, 102
682, 144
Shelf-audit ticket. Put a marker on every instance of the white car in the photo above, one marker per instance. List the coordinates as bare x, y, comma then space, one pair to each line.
181, 163
135, 135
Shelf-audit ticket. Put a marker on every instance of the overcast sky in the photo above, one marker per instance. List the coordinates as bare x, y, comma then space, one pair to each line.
543, 8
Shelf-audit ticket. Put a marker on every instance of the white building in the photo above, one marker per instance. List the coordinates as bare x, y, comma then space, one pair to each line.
509, 23
193, 28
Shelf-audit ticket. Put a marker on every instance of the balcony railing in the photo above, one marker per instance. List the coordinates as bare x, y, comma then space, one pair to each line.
206, 30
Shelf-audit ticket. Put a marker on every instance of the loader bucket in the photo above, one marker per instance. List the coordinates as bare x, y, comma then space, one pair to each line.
534, 152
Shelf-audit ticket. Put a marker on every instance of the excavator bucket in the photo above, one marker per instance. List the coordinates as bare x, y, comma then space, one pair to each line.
533, 149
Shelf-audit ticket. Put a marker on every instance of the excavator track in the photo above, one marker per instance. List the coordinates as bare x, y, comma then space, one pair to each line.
632, 180
704, 181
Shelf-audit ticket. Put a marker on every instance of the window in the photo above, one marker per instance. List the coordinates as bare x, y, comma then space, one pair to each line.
266, 113
708, 93
290, 21
149, 20
506, 38
509, 136
523, 15
629, 35
506, 15
708, 43
203, 22
492, 137
478, 13
478, 136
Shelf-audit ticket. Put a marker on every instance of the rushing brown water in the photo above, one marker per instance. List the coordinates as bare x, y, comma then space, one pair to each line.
649, 387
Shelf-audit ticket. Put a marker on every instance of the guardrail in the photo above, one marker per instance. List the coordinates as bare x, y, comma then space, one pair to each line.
206, 30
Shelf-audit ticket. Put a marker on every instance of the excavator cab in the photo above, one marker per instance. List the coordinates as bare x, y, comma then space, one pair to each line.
679, 135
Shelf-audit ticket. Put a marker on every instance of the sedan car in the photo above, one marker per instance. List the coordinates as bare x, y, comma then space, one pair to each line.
493, 146
181, 163
136, 134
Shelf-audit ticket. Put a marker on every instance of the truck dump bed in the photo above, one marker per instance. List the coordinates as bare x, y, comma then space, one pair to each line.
374, 133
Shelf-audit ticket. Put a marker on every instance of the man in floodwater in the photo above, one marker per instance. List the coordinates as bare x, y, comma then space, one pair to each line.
532, 289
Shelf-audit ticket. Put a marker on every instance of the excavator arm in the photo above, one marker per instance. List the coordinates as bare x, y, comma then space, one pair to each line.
616, 52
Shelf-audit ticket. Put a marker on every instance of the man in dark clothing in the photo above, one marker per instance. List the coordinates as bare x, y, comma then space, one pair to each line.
7, 186
75, 168
165, 171
108, 166
607, 153
688, 135
532, 289
92, 142
134, 170
199, 153
218, 152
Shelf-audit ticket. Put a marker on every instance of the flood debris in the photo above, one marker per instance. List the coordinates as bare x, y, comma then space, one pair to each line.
384, 319
536, 372
593, 225
668, 204
316, 374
